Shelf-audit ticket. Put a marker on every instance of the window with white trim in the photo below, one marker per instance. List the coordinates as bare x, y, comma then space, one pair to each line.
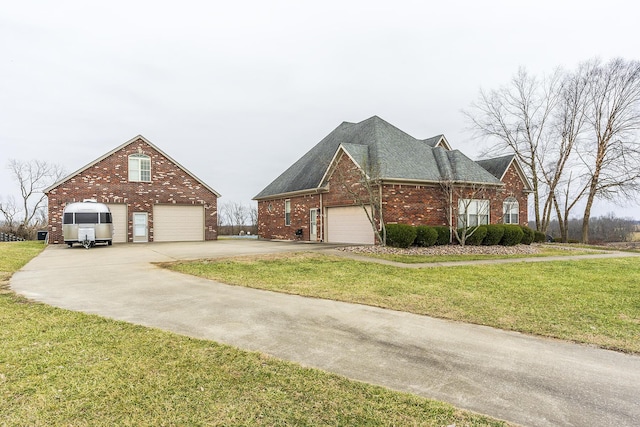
511, 211
139, 168
472, 212
287, 212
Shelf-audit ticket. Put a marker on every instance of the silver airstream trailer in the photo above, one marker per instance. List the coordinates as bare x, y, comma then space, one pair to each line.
87, 223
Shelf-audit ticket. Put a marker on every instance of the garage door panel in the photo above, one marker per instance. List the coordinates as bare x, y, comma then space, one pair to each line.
349, 225
120, 222
178, 223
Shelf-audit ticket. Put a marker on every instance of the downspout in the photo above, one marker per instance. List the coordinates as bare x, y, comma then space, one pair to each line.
452, 218
381, 226
321, 220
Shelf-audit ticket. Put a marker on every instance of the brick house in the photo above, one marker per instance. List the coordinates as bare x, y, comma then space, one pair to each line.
419, 182
152, 197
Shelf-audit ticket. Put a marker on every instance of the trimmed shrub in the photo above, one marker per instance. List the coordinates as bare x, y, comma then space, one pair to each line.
528, 236
494, 234
477, 237
426, 236
443, 235
513, 234
400, 235
539, 237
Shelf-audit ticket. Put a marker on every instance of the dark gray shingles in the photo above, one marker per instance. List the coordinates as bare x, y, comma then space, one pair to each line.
392, 154
496, 166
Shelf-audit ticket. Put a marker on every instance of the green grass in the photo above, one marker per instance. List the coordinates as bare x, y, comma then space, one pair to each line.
591, 301
14, 255
419, 259
59, 367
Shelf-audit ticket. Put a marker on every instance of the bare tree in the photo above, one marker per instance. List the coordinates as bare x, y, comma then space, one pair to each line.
576, 133
612, 155
32, 177
363, 185
234, 215
239, 214
466, 209
519, 117
9, 211
253, 216
558, 157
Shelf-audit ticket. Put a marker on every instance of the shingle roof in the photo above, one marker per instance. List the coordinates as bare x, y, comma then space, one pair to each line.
497, 166
394, 154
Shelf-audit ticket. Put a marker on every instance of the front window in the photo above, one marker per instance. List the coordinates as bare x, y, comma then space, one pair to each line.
67, 218
139, 168
287, 212
105, 218
86, 218
472, 212
511, 210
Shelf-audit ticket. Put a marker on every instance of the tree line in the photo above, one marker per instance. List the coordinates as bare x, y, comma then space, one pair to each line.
603, 229
236, 218
574, 131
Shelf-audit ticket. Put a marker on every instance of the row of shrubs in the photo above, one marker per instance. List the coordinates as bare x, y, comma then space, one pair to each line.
403, 235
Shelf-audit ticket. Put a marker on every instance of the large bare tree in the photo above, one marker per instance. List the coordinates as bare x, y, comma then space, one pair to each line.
558, 158
612, 154
519, 118
576, 133
32, 178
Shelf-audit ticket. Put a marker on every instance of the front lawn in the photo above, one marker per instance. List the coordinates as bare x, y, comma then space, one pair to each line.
591, 301
14, 255
62, 368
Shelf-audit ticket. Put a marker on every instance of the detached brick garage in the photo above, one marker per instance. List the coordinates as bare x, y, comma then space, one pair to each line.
152, 197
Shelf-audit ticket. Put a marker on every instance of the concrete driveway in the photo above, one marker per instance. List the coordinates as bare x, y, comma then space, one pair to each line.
522, 379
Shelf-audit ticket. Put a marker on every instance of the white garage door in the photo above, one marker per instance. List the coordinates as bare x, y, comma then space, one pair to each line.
120, 222
349, 225
178, 223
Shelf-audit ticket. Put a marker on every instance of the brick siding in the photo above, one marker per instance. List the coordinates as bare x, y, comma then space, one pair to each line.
414, 204
107, 181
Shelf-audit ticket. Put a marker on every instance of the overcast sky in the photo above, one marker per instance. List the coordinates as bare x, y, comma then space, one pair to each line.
237, 91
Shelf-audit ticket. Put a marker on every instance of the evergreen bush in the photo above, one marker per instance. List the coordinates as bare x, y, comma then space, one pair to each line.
539, 237
475, 235
528, 236
400, 235
513, 234
494, 234
443, 235
426, 236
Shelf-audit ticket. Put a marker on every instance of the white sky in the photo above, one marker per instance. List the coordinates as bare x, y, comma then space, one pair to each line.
237, 91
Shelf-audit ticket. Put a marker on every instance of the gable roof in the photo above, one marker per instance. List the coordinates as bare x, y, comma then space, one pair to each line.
131, 141
395, 155
498, 167
438, 141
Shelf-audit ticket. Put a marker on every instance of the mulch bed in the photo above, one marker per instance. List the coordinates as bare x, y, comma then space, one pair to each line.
446, 250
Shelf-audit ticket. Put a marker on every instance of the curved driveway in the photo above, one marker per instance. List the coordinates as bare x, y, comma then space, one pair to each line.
519, 378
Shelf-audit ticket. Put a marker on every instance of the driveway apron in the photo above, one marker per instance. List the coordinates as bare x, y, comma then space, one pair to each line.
527, 380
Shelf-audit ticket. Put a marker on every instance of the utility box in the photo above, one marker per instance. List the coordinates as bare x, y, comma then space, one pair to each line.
42, 235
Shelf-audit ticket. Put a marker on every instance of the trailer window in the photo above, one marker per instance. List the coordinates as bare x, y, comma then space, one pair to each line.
86, 218
105, 218
68, 218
